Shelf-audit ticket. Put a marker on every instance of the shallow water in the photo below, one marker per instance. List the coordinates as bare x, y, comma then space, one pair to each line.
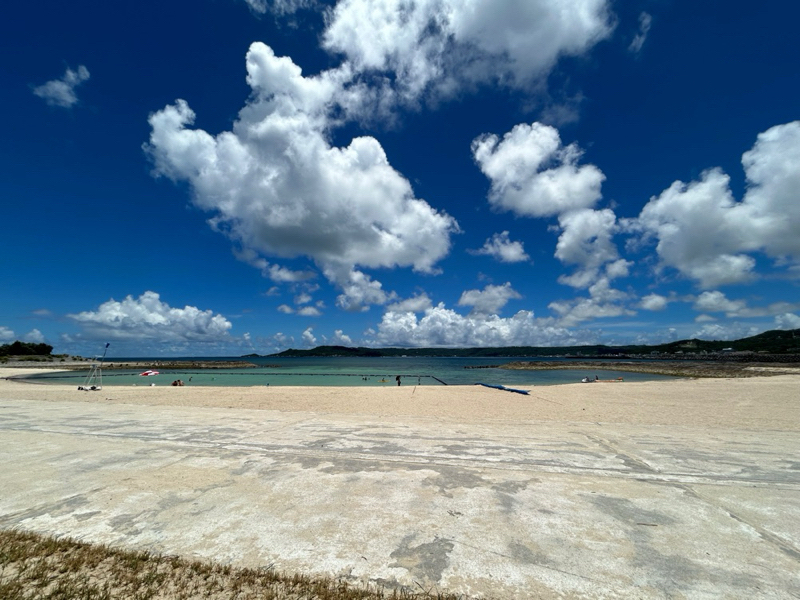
343, 372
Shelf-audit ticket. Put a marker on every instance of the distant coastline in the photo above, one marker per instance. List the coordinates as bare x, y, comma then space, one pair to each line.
760, 348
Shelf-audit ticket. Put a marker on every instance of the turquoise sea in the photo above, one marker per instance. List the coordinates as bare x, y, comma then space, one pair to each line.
345, 371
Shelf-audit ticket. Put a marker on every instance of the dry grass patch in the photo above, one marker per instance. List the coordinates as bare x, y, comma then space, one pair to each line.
38, 567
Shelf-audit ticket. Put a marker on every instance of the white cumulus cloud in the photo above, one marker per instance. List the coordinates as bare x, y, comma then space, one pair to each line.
308, 337
603, 302
278, 187
488, 301
417, 303
532, 174
586, 241
148, 318
444, 45
6, 334
704, 233
61, 92
787, 321
339, 338
34, 336
717, 302
443, 327
654, 302
501, 248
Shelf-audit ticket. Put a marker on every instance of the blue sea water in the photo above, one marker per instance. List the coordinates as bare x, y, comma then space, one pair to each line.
343, 371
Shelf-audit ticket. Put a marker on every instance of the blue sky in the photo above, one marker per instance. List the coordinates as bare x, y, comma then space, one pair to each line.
221, 177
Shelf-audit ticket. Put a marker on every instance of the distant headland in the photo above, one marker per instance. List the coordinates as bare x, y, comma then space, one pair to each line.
758, 348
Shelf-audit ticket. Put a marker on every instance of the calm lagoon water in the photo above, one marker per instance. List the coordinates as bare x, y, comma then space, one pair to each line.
343, 372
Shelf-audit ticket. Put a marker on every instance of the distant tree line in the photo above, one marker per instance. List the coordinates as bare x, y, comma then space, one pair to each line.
25, 349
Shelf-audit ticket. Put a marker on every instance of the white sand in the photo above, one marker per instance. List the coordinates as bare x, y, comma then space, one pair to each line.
770, 403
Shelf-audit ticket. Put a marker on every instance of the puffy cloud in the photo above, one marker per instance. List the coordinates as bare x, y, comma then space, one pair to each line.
417, 303
603, 302
586, 241
500, 247
308, 337
706, 235
359, 291
303, 298
654, 302
280, 274
490, 300
574, 312
339, 339
277, 187
6, 334
443, 327
704, 319
532, 174
645, 22
148, 318
279, 341
61, 92
443, 45
303, 311
787, 321
771, 212
718, 302
34, 336
697, 231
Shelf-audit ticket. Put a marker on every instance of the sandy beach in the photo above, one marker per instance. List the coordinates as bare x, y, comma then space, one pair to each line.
768, 402
683, 489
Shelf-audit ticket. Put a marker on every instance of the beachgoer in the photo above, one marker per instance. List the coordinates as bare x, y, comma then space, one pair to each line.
398, 379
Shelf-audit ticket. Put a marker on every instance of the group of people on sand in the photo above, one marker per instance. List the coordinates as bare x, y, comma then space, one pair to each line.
178, 382
596, 378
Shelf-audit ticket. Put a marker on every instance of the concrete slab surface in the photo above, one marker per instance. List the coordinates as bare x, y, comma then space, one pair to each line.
501, 509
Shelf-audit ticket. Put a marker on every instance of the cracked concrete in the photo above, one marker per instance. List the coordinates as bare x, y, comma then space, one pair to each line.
500, 509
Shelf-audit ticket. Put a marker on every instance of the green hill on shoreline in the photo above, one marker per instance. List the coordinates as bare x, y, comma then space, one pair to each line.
769, 342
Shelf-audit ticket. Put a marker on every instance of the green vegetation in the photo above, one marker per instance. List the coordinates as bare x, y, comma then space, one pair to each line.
772, 342
39, 567
25, 349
